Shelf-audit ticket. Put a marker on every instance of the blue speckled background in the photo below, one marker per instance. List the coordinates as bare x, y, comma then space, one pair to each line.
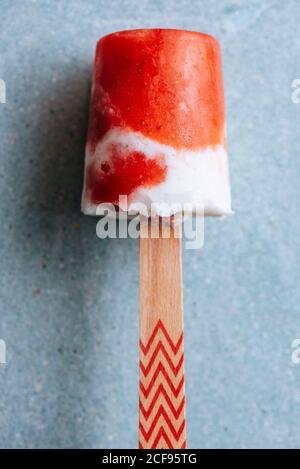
69, 302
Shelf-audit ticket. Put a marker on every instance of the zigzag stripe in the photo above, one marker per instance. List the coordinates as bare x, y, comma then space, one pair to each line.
161, 369
161, 347
161, 390
183, 446
162, 417
162, 413
159, 325
162, 440
162, 435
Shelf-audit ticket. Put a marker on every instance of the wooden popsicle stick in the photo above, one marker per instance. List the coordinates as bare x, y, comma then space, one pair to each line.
162, 421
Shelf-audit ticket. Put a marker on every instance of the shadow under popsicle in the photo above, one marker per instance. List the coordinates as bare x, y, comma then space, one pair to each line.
75, 273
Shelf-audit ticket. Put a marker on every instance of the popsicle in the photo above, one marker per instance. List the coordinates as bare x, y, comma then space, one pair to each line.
157, 128
157, 136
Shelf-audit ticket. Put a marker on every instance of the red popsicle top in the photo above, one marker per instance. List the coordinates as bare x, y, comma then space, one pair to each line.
166, 84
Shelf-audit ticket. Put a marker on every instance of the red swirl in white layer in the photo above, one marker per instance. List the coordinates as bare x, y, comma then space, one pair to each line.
199, 178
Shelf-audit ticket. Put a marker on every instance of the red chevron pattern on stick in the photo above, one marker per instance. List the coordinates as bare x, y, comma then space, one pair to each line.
162, 400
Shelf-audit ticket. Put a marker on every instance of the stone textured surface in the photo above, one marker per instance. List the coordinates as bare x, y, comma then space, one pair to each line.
69, 302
